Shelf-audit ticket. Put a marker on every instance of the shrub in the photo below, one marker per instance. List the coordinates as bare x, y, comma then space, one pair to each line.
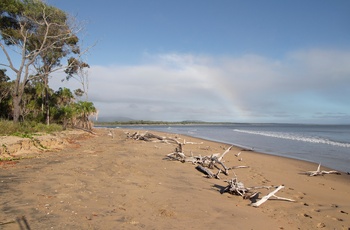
11, 128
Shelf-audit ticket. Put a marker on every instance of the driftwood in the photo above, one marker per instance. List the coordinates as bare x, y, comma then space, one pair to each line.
111, 133
319, 172
236, 187
271, 194
206, 171
214, 161
151, 137
193, 143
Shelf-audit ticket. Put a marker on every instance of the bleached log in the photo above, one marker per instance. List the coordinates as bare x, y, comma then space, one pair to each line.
260, 187
151, 135
238, 167
180, 156
319, 172
225, 168
283, 198
167, 139
224, 153
193, 160
265, 198
193, 143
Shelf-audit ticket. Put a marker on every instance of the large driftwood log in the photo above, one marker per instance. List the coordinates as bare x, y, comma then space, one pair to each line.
319, 172
271, 194
151, 137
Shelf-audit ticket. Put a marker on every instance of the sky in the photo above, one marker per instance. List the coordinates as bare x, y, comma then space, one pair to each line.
216, 60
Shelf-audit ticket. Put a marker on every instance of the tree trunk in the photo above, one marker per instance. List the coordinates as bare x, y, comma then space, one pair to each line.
47, 104
16, 108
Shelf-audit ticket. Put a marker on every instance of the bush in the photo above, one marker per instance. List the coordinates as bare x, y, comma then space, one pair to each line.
11, 128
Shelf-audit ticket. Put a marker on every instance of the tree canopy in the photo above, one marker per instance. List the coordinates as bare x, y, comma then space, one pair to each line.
41, 37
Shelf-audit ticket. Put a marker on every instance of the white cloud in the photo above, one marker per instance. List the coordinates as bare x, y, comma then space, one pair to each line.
249, 88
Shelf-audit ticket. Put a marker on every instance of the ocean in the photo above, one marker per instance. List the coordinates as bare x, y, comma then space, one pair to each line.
325, 144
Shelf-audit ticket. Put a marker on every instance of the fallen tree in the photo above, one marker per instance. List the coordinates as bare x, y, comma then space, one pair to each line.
152, 137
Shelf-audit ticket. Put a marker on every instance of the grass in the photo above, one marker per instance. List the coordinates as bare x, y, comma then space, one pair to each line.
26, 129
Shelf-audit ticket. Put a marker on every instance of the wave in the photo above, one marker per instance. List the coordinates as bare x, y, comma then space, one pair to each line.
295, 137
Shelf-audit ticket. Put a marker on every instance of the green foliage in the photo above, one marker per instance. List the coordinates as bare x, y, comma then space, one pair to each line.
26, 129
5, 94
46, 38
42, 37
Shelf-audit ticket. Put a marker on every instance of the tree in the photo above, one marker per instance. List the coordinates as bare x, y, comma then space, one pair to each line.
5, 91
77, 70
41, 35
83, 110
64, 106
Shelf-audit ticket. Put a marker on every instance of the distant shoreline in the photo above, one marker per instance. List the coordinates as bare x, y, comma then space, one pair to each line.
142, 122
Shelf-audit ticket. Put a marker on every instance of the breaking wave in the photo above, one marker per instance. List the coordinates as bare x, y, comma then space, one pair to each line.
295, 137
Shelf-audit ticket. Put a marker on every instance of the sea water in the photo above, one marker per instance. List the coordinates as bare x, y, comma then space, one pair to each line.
328, 145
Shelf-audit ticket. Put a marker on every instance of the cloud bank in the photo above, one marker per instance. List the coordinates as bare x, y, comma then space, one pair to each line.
304, 86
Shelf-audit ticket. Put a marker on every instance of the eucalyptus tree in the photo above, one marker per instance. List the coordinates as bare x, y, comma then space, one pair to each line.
34, 38
5, 90
77, 70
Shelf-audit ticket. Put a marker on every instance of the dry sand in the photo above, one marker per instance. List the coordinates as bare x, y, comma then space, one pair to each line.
100, 182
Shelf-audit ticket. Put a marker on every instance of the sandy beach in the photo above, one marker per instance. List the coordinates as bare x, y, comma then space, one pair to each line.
86, 181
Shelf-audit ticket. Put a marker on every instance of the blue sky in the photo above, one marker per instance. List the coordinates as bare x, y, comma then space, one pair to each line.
225, 60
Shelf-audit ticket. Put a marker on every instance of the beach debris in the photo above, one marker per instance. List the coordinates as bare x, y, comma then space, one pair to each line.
151, 137
111, 133
193, 143
237, 187
271, 194
210, 162
237, 155
205, 163
206, 171
319, 172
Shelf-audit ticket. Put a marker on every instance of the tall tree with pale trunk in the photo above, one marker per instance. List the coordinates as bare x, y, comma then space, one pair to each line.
35, 37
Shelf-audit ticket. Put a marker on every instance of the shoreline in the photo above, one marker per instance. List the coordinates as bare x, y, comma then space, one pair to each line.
236, 145
108, 182
240, 148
